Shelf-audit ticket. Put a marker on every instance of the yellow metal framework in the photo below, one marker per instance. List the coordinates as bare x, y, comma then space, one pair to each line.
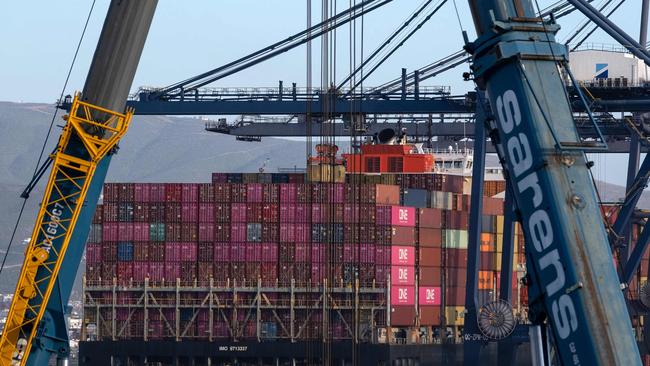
89, 134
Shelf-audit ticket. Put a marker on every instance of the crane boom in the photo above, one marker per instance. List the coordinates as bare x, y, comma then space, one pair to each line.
574, 287
35, 328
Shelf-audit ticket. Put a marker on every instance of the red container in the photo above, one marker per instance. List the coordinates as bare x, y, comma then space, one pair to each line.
157, 192
303, 233
430, 218
189, 252
269, 273
430, 237
238, 193
457, 220
110, 212
402, 295
456, 257
172, 271
318, 272
156, 212
302, 273
271, 193
141, 212
287, 252
269, 252
125, 231
302, 252
456, 276
142, 192
382, 254
318, 253
270, 212
429, 296
403, 216
110, 231
430, 257
221, 252
109, 271
140, 251
110, 192
173, 192
254, 212
188, 272
206, 193
238, 252
206, 231
173, 212
173, 232
238, 232
140, 271
238, 212
172, 252
367, 214
222, 212
189, 232
488, 261
430, 276
205, 252
254, 192
402, 275
288, 233
270, 233
93, 253
455, 296
124, 271
430, 315
98, 217
156, 251
303, 213
285, 273
253, 252
141, 231
189, 212
400, 235
190, 192
288, 212
222, 192
238, 271
222, 232
287, 193
126, 192
253, 271
156, 271
403, 255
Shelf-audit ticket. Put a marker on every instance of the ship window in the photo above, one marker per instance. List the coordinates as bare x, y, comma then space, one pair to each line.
458, 164
372, 165
395, 164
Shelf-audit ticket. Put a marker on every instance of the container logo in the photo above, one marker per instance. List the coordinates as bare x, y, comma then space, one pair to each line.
402, 295
403, 255
403, 216
602, 71
402, 275
429, 296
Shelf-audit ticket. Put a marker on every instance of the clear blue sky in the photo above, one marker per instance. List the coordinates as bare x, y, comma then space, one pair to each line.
189, 37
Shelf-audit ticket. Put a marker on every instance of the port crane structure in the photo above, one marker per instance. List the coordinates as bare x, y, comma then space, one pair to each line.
521, 103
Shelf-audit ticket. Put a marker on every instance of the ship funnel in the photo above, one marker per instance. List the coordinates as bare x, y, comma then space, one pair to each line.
387, 136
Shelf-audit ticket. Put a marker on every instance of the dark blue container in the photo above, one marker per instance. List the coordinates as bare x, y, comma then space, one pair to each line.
124, 251
416, 198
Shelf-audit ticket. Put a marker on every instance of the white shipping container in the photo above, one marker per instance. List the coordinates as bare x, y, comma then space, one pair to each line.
589, 65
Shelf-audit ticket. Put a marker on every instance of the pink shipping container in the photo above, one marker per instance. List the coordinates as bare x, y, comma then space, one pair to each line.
402, 275
303, 213
269, 252
172, 271
254, 192
189, 252
222, 252
318, 272
303, 252
142, 192
125, 231
382, 254
253, 252
222, 232
93, 253
383, 215
222, 192
303, 233
141, 231
206, 231
238, 212
124, 271
350, 253
206, 212
402, 295
270, 212
287, 233
109, 212
238, 252
403, 216
156, 271
190, 192
367, 253
172, 252
318, 253
110, 231
287, 193
206, 192
189, 212
403, 255
238, 232
351, 213
287, 212
337, 193
140, 271
429, 296
254, 212
157, 192
222, 212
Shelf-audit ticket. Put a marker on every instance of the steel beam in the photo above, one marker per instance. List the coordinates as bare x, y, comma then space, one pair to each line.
631, 199
636, 256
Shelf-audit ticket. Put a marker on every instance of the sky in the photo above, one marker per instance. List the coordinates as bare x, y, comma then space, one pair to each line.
192, 36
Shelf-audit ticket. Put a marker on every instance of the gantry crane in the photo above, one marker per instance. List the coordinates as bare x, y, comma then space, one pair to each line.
574, 288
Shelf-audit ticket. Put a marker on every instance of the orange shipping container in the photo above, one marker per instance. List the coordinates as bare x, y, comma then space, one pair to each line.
485, 280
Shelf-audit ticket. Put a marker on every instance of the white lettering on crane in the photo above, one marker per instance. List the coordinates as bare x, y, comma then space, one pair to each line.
539, 225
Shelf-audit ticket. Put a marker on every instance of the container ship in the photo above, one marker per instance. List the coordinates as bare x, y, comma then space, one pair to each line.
361, 260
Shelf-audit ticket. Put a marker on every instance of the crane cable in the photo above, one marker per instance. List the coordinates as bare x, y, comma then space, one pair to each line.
47, 136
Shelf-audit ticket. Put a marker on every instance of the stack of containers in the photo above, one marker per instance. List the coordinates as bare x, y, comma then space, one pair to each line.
402, 279
430, 265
